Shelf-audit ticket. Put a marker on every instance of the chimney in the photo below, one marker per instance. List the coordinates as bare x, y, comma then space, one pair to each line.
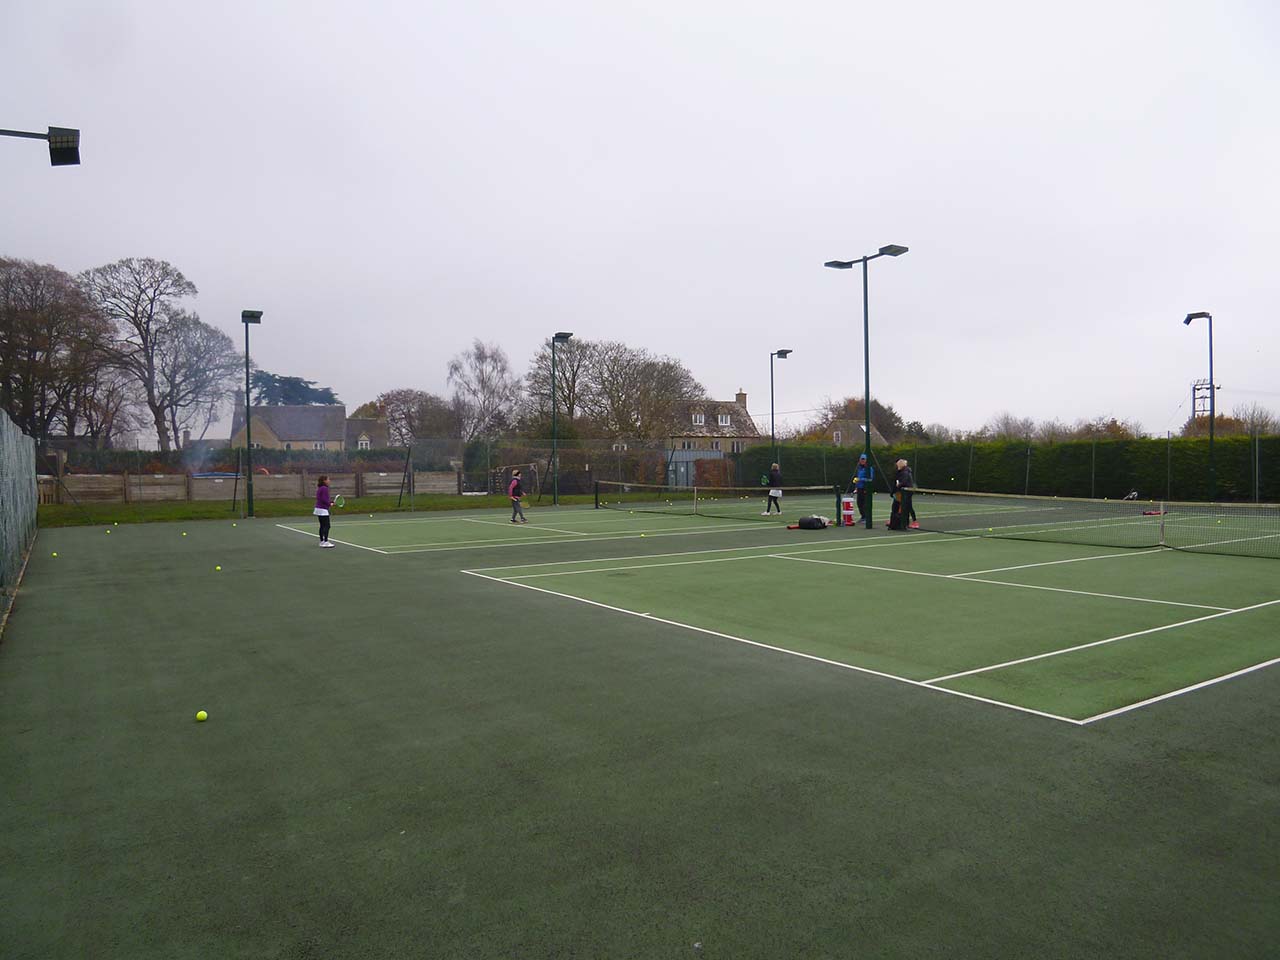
186, 439
741, 398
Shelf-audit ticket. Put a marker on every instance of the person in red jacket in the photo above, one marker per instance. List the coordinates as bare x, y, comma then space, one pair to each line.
515, 492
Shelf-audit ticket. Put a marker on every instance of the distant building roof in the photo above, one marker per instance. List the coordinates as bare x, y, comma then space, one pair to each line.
311, 422
740, 424
376, 430
849, 433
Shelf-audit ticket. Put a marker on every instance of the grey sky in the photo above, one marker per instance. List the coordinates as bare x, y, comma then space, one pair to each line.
387, 181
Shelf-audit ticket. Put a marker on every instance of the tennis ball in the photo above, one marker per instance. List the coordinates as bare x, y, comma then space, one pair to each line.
991, 529
108, 533
55, 553
233, 524
184, 533
116, 523
217, 568
642, 534
201, 716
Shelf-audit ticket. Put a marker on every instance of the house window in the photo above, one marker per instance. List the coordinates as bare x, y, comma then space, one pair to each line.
317, 444
699, 419
686, 445
288, 446
723, 419
715, 444
735, 446
836, 437
256, 446
619, 447
362, 443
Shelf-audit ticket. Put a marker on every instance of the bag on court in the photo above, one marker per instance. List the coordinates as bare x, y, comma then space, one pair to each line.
812, 523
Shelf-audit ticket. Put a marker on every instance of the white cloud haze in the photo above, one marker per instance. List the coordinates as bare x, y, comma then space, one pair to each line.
387, 181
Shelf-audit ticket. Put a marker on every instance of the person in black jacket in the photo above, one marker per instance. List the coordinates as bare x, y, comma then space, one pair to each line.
902, 510
775, 490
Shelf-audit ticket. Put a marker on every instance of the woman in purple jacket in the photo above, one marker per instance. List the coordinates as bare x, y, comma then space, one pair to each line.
322, 509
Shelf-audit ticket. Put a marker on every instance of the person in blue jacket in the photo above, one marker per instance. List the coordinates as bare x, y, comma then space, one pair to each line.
862, 483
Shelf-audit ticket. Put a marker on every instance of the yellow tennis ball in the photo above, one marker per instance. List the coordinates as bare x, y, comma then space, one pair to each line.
233, 524
642, 534
55, 553
201, 716
108, 533
184, 533
217, 568
116, 523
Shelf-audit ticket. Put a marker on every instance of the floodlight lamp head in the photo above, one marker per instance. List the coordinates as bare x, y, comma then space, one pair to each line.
562, 337
64, 146
893, 250
1202, 315
840, 264
782, 354
250, 316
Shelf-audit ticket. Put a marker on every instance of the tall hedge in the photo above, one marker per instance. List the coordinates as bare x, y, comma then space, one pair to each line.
1175, 469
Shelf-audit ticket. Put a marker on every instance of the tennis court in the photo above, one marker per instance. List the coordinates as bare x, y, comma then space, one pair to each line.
633, 733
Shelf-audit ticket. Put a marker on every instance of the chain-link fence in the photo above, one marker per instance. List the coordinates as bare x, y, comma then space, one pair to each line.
17, 506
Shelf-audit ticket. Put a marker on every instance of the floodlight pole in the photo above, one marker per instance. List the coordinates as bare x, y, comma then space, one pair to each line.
773, 441
1213, 476
891, 250
555, 459
247, 317
64, 143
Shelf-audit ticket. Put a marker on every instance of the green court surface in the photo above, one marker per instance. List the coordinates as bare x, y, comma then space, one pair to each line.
608, 734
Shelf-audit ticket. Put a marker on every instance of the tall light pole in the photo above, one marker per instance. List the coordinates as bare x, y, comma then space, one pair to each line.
892, 250
555, 459
64, 144
781, 355
247, 317
1213, 477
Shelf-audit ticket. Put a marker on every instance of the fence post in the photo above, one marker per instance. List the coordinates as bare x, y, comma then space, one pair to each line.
188, 486
1093, 468
968, 477
302, 483
459, 477
359, 483
1026, 484
126, 486
1168, 465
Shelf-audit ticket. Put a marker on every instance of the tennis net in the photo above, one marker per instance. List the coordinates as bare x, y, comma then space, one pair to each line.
729, 503
1238, 529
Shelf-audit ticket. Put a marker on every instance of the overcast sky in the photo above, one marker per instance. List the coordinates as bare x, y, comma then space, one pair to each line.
389, 180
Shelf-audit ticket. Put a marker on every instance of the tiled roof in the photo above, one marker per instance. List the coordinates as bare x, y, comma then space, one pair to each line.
740, 422
312, 422
375, 430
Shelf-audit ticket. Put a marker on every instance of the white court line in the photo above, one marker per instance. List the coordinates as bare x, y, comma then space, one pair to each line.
499, 523
345, 543
766, 646
1219, 543
522, 542
634, 566
1050, 563
860, 545
1177, 693
1098, 643
1003, 583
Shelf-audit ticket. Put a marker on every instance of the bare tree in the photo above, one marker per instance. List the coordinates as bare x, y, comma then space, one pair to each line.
51, 342
1005, 426
485, 392
573, 360
196, 365
941, 433
413, 414
1257, 419
629, 392
141, 297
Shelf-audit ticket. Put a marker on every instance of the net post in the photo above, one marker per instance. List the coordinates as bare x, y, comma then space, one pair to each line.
695, 499
1164, 509
597, 494
835, 488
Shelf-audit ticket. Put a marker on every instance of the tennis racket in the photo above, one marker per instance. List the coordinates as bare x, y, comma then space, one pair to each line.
339, 501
